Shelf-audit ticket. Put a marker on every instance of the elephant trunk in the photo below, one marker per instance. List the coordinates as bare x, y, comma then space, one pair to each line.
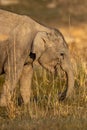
70, 81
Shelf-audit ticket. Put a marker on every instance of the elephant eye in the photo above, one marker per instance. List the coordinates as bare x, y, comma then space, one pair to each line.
62, 55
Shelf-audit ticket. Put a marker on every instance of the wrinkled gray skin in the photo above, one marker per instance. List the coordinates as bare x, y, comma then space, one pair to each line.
22, 41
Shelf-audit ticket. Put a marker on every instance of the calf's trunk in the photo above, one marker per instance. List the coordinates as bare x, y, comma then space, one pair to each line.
70, 81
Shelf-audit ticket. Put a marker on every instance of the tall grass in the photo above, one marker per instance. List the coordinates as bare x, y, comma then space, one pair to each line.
46, 88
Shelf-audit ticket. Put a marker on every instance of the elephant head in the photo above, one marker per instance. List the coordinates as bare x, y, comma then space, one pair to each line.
51, 50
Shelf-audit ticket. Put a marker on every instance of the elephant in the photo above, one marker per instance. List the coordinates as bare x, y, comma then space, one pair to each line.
24, 41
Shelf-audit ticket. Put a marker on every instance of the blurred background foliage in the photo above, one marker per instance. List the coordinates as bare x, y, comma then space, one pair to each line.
49, 11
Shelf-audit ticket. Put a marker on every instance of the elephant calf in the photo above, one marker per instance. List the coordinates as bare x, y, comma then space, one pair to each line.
23, 41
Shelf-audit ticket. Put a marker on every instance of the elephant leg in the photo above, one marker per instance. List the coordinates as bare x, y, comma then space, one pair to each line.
25, 83
11, 79
5, 95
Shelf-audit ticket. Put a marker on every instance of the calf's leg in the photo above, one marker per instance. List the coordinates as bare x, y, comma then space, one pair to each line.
25, 83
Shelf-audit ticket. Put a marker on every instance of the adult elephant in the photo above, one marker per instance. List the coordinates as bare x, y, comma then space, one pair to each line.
22, 41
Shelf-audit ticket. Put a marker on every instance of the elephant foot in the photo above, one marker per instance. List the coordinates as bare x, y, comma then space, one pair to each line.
3, 102
62, 96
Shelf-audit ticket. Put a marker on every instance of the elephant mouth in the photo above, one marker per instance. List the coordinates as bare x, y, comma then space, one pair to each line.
50, 67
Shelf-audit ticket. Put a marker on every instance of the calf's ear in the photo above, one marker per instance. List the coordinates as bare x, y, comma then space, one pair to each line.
39, 44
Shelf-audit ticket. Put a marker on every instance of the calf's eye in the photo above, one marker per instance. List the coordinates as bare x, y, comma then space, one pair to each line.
62, 55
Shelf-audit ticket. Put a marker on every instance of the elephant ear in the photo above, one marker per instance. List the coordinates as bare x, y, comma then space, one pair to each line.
39, 44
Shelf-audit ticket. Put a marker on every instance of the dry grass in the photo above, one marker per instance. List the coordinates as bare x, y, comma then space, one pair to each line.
45, 111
